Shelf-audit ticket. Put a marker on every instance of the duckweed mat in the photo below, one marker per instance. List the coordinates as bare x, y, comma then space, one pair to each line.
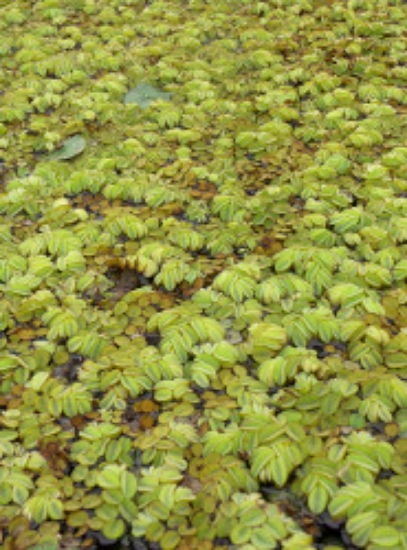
203, 274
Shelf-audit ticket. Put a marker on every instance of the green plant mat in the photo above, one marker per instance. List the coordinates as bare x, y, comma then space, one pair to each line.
203, 267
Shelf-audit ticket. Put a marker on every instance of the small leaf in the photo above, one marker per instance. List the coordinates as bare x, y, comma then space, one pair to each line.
113, 496
114, 529
240, 534
155, 531
71, 148
109, 478
166, 495
170, 540
339, 505
107, 512
55, 509
45, 546
36, 508
253, 517
78, 519
385, 536
261, 538
276, 527
318, 499
225, 353
279, 471
128, 484
158, 510
359, 522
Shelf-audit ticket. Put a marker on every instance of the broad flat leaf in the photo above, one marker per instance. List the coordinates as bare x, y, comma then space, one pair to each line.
71, 148
145, 94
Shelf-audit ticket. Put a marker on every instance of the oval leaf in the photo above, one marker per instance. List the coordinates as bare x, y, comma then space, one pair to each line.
71, 148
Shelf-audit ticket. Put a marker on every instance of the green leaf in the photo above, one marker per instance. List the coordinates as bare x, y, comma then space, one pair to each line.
71, 148
109, 478
253, 517
361, 525
167, 496
145, 94
158, 510
89, 344
78, 519
114, 529
362, 461
277, 527
155, 531
20, 495
285, 259
36, 508
279, 471
340, 504
267, 339
128, 484
318, 499
240, 534
385, 536
225, 353
128, 510
262, 538
8, 435
262, 456
170, 540
107, 512
113, 496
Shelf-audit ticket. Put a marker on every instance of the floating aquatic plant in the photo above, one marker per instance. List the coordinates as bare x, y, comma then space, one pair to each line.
203, 302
